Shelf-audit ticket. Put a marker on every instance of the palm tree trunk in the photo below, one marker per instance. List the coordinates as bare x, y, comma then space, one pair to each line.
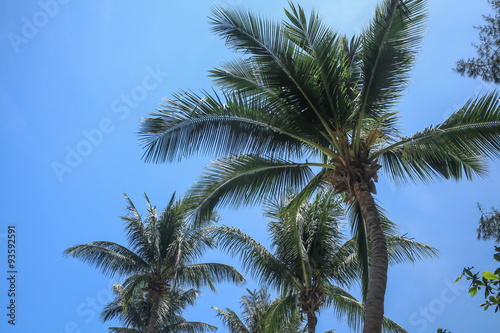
374, 307
312, 320
154, 314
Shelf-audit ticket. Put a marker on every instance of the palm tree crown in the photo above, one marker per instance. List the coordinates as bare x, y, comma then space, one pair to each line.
257, 307
305, 97
162, 253
138, 311
310, 259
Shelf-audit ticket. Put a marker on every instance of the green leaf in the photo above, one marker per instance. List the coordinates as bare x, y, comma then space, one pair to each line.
473, 291
490, 276
458, 278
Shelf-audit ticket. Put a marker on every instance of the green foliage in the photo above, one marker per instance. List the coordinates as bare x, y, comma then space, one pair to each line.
138, 310
258, 308
162, 253
489, 225
487, 280
310, 258
487, 63
306, 107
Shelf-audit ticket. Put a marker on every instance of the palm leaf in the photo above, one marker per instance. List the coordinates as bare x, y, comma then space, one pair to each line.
402, 250
123, 330
245, 180
326, 53
254, 257
390, 44
358, 229
348, 308
267, 43
137, 233
283, 314
233, 123
188, 327
207, 274
453, 149
231, 320
110, 258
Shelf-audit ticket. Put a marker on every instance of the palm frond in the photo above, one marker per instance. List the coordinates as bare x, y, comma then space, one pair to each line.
390, 44
287, 68
137, 234
454, 149
123, 330
188, 327
348, 308
212, 124
110, 258
136, 315
358, 229
344, 266
331, 64
253, 256
422, 162
208, 274
283, 315
195, 243
231, 320
245, 180
402, 250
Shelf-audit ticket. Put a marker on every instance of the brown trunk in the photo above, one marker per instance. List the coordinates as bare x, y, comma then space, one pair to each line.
312, 320
374, 307
154, 314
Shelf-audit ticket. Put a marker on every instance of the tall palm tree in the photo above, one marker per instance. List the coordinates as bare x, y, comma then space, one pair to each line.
309, 259
257, 307
162, 253
138, 310
306, 106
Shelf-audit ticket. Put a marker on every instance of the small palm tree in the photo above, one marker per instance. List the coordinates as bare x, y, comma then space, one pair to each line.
138, 311
305, 96
257, 307
162, 254
310, 259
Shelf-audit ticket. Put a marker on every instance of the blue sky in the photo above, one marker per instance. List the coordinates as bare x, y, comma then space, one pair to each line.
77, 76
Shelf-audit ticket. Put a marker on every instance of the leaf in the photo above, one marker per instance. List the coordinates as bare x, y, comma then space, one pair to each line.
490, 276
458, 278
473, 291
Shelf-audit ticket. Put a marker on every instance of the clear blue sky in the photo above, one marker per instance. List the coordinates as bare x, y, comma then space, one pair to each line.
76, 78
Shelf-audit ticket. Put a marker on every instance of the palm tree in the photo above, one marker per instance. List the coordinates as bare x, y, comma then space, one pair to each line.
138, 310
306, 106
309, 259
257, 308
162, 253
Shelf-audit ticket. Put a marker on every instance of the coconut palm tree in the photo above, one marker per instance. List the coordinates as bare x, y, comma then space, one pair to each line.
138, 310
257, 307
310, 261
306, 106
162, 254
